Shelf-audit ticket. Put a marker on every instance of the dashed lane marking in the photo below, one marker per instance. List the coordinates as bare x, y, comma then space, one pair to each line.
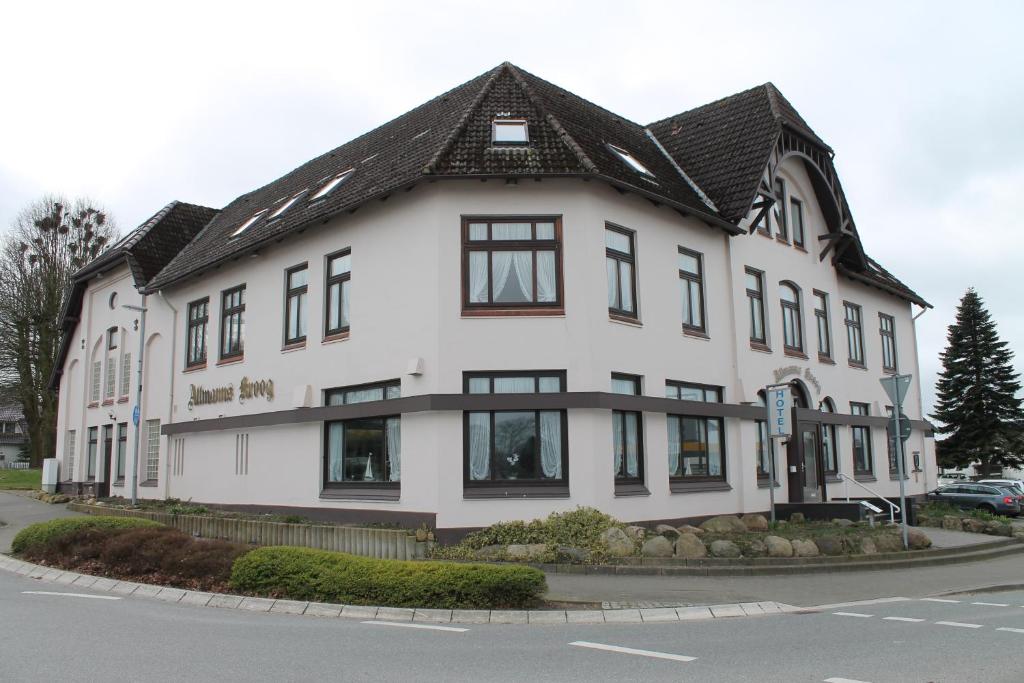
991, 604
426, 627
909, 620
633, 651
938, 600
853, 614
72, 595
843, 680
958, 624
1010, 630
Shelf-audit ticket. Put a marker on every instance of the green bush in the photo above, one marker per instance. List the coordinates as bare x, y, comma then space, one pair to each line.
46, 532
324, 576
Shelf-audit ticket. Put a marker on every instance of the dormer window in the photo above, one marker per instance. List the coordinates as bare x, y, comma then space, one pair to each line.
284, 207
249, 223
332, 183
630, 161
510, 132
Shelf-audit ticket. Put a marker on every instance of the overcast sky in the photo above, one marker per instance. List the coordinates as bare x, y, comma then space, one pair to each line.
203, 101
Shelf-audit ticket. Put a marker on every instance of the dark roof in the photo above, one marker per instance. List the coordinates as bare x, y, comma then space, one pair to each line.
450, 137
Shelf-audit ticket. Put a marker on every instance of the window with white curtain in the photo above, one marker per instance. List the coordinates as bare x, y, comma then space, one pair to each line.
792, 318
366, 450
521, 446
511, 264
765, 445
620, 262
696, 444
339, 289
627, 433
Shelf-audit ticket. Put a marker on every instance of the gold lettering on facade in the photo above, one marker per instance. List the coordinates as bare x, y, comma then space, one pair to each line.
248, 389
794, 371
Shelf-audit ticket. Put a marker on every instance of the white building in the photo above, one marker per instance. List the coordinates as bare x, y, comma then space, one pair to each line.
583, 313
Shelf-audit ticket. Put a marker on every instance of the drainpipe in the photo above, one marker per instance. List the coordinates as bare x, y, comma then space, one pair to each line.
170, 395
141, 310
920, 400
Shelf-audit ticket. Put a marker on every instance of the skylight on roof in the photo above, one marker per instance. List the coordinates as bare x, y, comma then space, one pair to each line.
510, 132
332, 183
248, 224
284, 207
630, 160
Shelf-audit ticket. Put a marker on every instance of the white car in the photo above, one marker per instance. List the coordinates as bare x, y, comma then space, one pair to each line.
1019, 483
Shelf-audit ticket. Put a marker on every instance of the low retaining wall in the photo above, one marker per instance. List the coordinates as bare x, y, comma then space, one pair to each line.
389, 544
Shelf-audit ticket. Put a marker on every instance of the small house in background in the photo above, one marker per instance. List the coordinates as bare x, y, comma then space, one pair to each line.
13, 436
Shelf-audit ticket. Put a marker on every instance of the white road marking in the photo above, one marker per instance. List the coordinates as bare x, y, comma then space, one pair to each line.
428, 627
632, 651
842, 680
72, 595
1011, 630
853, 614
991, 604
938, 600
858, 603
957, 623
906, 619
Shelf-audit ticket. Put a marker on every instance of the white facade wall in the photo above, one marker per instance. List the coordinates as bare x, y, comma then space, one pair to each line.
406, 304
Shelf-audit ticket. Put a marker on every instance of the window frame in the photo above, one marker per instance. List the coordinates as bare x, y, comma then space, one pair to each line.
854, 332
821, 317
763, 441
723, 478
342, 330
229, 312
152, 458
827, 405
492, 483
384, 416
755, 298
197, 322
620, 415
697, 280
779, 210
888, 337
300, 293
92, 452
795, 311
533, 246
496, 122
631, 161
864, 432
796, 214
120, 454
619, 258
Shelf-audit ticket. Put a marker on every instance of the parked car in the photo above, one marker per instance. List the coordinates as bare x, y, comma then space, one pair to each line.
1002, 483
986, 497
947, 478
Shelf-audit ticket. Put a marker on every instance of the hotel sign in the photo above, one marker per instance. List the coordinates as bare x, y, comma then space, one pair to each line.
780, 401
248, 389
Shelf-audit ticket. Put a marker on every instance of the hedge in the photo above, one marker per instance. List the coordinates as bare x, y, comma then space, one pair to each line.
325, 576
46, 532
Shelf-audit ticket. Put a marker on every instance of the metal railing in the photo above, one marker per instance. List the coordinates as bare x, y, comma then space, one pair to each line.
14, 465
893, 507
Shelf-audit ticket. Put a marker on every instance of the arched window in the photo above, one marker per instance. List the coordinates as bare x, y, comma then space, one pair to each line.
792, 327
829, 442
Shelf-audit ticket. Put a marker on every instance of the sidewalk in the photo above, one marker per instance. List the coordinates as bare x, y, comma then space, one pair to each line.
17, 512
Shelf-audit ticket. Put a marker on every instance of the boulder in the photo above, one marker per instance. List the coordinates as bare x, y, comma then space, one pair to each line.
797, 518
723, 548
952, 523
637, 532
567, 553
754, 548
520, 551
657, 546
918, 539
830, 545
975, 526
843, 522
618, 542
724, 524
690, 529
867, 546
802, 548
889, 543
755, 522
689, 546
667, 531
776, 546
1018, 531
997, 528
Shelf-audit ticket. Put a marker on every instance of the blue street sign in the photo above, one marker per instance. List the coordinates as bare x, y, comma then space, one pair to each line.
135, 416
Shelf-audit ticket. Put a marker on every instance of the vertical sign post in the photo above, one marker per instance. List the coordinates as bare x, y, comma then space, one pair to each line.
896, 387
779, 418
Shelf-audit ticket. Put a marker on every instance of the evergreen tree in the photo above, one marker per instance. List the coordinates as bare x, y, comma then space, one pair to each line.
977, 405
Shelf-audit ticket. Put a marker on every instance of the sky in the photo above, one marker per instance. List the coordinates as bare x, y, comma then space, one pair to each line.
136, 104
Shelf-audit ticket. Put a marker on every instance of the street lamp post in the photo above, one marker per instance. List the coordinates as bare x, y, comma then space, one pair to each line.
136, 411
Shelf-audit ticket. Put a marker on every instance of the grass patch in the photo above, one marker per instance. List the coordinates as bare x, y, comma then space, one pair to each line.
44, 533
20, 480
937, 510
324, 576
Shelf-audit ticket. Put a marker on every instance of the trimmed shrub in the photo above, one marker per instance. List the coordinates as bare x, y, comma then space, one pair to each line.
325, 576
45, 532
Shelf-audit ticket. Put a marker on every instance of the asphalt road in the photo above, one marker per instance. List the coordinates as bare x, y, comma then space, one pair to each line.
46, 637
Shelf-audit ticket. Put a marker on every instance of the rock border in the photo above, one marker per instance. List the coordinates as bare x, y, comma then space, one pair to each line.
396, 614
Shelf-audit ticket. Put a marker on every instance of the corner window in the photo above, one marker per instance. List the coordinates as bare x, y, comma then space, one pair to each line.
630, 161
510, 132
861, 437
792, 317
339, 287
366, 450
627, 433
755, 305
696, 444
620, 262
195, 342
781, 222
511, 265
887, 329
295, 314
822, 322
232, 323
510, 447
691, 285
854, 333
796, 215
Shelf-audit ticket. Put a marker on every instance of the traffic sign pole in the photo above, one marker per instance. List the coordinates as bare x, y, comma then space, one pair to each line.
896, 387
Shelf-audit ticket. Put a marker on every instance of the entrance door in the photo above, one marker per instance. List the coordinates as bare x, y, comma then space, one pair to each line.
810, 461
103, 484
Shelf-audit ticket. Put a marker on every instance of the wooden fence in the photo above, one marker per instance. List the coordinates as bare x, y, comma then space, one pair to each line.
391, 544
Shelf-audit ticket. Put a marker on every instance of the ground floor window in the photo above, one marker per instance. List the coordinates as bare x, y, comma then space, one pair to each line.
829, 440
764, 444
696, 445
90, 470
69, 455
365, 450
122, 450
152, 450
515, 446
627, 433
861, 436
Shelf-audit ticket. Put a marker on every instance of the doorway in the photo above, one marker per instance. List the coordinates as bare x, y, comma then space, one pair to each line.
806, 476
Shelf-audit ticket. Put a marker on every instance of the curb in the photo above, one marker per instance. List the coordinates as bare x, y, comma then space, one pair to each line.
396, 614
